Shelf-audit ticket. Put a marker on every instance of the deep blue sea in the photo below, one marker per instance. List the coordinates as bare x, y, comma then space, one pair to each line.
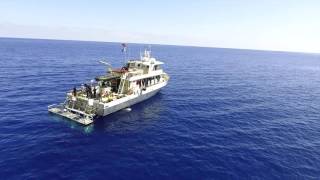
225, 114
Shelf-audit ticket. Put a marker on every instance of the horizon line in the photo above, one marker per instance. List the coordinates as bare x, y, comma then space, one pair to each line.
142, 43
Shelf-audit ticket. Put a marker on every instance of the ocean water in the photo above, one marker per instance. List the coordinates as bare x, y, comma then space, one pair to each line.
225, 114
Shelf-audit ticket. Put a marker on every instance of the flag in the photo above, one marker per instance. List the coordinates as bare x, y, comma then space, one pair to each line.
124, 48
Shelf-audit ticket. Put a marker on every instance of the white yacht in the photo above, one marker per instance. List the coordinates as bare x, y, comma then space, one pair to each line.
138, 80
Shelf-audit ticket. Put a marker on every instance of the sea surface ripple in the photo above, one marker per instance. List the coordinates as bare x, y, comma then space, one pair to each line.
225, 114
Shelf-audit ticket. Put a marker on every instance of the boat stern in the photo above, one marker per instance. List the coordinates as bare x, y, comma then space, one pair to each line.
72, 114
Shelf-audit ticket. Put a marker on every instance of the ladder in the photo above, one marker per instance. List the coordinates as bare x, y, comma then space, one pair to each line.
121, 85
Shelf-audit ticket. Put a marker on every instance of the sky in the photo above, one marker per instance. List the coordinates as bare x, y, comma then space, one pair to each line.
282, 25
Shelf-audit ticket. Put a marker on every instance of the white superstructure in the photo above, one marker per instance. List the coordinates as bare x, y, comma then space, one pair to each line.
138, 80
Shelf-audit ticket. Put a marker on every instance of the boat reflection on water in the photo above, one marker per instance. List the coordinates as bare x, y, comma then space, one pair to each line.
141, 115
72, 124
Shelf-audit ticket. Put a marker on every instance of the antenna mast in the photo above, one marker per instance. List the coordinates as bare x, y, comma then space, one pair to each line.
124, 50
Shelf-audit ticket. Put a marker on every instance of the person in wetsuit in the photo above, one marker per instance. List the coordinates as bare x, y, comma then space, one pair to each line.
88, 90
94, 92
74, 91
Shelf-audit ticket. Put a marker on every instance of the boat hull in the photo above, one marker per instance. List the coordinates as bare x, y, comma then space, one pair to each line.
109, 110
132, 99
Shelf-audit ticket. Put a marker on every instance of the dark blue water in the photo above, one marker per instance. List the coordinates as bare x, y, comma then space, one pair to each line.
226, 114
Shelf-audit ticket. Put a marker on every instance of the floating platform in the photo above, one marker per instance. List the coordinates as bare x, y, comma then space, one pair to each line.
72, 114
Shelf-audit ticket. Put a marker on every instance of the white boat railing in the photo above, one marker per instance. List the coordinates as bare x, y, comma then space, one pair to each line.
55, 105
79, 112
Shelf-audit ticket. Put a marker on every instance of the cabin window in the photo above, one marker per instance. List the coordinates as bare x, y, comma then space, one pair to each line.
145, 69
